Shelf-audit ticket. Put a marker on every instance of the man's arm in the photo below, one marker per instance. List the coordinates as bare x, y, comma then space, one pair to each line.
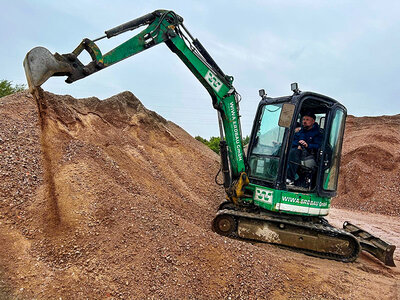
316, 141
296, 139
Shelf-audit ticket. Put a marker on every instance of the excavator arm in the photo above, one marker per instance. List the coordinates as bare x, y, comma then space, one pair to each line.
162, 27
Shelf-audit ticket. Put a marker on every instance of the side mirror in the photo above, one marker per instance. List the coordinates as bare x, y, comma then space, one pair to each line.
285, 119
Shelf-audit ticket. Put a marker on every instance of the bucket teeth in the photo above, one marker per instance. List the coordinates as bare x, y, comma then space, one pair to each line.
40, 64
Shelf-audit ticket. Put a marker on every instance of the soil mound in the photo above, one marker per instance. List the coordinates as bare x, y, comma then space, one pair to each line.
108, 200
370, 167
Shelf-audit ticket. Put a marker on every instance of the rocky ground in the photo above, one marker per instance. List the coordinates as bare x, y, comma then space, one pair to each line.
370, 168
108, 200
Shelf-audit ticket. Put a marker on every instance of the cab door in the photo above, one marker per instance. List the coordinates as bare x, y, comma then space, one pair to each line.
330, 152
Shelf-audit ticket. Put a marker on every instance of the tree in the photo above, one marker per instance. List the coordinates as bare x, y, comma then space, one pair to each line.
246, 140
200, 139
7, 88
213, 143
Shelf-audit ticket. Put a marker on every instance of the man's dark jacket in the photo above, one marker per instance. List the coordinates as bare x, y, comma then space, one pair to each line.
312, 137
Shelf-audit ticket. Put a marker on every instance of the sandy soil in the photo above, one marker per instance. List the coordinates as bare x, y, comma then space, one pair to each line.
370, 168
108, 200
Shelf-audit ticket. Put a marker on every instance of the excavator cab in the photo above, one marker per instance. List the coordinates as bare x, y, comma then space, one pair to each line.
271, 143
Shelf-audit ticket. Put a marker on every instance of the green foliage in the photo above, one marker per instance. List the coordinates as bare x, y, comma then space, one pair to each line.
200, 139
213, 143
7, 88
246, 140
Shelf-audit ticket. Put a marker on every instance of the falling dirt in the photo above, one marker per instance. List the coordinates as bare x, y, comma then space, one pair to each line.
48, 167
108, 200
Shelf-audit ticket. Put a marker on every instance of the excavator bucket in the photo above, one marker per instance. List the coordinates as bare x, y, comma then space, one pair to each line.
40, 64
372, 244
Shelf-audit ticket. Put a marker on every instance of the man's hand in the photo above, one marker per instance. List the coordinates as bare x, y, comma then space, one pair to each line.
303, 143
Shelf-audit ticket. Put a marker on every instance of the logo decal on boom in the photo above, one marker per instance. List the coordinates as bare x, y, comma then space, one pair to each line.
213, 81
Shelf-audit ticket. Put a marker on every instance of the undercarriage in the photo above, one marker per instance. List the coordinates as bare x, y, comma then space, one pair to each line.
310, 235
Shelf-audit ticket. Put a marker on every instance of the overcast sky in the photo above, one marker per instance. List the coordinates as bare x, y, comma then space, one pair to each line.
348, 50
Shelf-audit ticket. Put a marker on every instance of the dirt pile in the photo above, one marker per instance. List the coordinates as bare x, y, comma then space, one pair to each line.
370, 166
108, 200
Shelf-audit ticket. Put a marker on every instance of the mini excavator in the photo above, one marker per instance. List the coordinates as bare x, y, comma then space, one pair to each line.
260, 204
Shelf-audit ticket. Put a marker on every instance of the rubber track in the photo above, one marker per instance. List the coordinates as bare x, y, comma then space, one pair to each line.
325, 229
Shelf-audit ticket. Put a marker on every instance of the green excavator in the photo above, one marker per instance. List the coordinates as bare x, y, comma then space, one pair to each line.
262, 202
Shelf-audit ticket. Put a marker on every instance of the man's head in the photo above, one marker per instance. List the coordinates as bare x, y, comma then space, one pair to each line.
308, 120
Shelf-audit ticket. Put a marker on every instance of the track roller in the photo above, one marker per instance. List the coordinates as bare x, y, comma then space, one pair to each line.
224, 224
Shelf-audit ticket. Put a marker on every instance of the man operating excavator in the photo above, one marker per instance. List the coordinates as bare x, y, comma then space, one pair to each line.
305, 143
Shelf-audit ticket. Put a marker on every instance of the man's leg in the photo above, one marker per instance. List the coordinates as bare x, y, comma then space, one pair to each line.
294, 161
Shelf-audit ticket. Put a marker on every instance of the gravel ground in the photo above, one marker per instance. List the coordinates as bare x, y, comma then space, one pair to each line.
370, 168
108, 200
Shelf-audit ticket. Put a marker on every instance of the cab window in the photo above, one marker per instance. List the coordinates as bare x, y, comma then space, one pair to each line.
265, 156
332, 152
